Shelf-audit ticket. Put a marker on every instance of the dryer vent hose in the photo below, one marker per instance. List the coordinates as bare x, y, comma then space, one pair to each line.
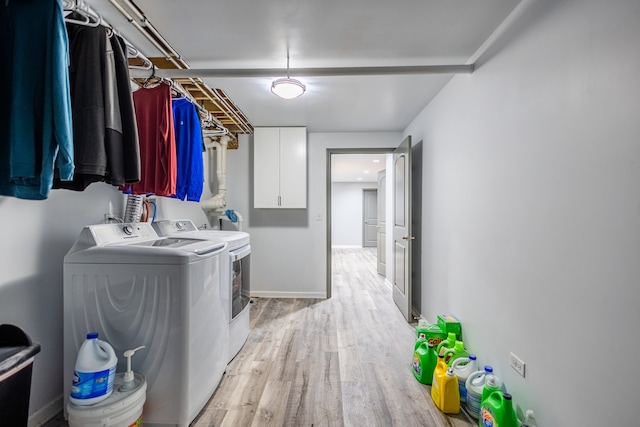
133, 210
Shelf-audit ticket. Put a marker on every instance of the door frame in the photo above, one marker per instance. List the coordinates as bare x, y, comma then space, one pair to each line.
331, 151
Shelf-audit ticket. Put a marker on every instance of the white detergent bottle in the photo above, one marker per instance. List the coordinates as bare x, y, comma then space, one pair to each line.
475, 385
94, 372
463, 368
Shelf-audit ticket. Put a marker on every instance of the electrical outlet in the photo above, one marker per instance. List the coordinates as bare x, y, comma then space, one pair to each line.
517, 364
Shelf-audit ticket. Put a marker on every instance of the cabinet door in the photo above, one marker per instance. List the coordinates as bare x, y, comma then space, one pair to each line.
266, 167
293, 167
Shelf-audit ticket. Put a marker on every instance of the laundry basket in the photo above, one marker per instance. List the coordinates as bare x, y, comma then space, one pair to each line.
16, 363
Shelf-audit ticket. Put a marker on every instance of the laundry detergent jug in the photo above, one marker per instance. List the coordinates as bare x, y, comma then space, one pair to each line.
497, 411
463, 368
94, 372
445, 394
432, 332
456, 352
424, 362
447, 344
474, 386
491, 383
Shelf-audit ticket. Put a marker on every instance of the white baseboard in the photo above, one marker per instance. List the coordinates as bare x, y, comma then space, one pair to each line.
346, 246
45, 413
388, 283
278, 294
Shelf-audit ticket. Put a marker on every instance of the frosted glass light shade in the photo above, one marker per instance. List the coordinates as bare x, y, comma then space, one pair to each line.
287, 88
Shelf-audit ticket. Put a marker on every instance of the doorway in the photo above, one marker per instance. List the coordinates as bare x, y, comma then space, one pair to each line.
341, 163
416, 178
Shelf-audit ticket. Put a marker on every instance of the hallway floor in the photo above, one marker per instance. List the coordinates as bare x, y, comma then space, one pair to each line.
344, 361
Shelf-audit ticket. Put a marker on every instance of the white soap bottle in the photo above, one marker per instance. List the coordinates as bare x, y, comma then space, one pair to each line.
94, 372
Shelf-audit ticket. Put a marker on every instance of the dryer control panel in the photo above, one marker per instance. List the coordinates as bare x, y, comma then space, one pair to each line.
171, 226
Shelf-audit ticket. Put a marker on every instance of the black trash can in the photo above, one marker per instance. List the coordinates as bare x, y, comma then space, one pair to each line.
16, 363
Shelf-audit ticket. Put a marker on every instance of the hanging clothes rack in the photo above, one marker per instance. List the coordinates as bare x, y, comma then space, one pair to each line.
207, 119
226, 112
92, 19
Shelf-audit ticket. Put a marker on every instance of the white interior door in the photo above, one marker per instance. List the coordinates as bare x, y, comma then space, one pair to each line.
402, 227
382, 223
370, 216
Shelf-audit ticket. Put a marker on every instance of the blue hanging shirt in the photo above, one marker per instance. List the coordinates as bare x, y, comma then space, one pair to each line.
190, 168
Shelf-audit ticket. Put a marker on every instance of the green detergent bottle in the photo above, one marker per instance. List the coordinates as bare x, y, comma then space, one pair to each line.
432, 332
424, 362
446, 344
457, 352
497, 411
420, 339
491, 383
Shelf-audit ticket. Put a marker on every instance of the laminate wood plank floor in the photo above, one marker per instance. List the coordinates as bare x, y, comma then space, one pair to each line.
343, 361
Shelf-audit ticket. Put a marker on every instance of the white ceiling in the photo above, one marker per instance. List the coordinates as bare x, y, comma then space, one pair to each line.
252, 34
357, 167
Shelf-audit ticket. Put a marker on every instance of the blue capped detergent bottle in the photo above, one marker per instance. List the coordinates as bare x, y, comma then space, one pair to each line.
94, 372
463, 368
475, 385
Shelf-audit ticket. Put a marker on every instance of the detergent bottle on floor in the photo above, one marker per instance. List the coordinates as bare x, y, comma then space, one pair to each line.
424, 362
432, 332
446, 344
445, 394
491, 383
94, 372
497, 411
464, 367
474, 386
440, 368
456, 352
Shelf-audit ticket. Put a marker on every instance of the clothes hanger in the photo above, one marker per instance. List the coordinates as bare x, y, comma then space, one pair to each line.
89, 18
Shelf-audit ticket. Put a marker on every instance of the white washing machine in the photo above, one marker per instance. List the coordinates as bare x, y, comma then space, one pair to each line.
137, 288
236, 273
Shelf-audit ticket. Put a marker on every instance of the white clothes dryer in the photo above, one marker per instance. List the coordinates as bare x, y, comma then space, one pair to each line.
135, 288
236, 273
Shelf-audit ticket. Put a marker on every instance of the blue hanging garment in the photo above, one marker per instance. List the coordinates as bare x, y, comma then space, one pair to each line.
36, 137
190, 168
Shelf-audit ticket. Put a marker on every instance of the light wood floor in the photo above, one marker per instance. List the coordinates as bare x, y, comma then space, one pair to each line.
344, 361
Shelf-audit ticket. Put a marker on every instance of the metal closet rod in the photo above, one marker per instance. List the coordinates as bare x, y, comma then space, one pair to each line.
317, 72
137, 18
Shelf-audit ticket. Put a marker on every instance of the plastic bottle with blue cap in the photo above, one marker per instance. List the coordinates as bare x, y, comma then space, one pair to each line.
463, 368
475, 385
122, 408
94, 372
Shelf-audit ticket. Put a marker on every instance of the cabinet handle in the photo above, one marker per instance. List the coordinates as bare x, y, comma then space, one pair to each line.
279, 200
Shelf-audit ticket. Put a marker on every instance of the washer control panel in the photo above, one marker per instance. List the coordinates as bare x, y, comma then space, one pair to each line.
105, 234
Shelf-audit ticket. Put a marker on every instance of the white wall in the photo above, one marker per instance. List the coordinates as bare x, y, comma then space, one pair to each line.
36, 237
288, 247
531, 209
346, 212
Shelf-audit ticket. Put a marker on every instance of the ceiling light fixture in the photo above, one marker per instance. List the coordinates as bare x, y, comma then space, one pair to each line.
287, 88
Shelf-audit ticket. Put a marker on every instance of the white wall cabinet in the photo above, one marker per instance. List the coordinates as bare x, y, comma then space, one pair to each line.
280, 168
